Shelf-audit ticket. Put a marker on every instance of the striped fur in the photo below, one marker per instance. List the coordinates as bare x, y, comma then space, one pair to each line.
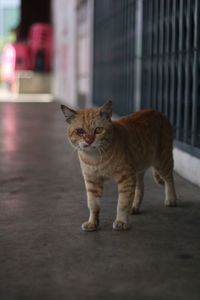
123, 150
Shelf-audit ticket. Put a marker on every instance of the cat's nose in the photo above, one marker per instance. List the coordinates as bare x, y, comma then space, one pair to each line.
89, 139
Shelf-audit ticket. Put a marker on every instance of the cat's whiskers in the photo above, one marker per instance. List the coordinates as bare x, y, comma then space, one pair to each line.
74, 149
102, 149
77, 147
99, 151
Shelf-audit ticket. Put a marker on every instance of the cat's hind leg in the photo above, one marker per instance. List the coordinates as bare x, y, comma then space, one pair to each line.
156, 176
139, 192
165, 171
170, 192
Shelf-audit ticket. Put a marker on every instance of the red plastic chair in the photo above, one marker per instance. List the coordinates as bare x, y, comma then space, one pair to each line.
40, 41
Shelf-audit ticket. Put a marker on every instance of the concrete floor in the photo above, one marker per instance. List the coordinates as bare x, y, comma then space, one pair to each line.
43, 252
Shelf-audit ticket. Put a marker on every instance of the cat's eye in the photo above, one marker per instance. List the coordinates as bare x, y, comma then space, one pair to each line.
80, 131
98, 130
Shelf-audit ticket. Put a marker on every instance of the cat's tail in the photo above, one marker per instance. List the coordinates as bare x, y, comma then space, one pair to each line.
157, 178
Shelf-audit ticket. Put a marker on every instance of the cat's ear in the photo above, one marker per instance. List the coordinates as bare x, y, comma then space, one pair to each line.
106, 110
68, 113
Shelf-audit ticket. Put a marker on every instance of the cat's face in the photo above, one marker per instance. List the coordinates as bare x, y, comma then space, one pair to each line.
90, 129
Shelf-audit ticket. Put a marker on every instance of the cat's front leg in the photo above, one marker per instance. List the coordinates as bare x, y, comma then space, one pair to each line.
126, 188
94, 188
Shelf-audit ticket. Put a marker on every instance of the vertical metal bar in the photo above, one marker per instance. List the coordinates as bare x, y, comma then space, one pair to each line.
158, 57
160, 53
131, 9
104, 59
195, 73
173, 63
167, 46
163, 58
161, 48
109, 69
147, 52
124, 58
123, 67
155, 53
138, 52
145, 70
111, 57
128, 55
148, 27
151, 34
120, 87
187, 75
180, 70
132, 42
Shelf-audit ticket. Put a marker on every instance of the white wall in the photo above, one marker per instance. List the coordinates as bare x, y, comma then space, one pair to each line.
73, 41
187, 166
64, 18
85, 52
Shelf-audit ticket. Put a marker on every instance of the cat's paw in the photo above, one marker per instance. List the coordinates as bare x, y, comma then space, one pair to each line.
88, 226
134, 211
170, 203
119, 225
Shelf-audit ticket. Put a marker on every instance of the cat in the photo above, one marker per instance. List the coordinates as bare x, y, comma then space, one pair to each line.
122, 150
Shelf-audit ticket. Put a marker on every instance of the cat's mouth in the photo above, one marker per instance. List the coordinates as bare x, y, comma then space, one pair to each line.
88, 147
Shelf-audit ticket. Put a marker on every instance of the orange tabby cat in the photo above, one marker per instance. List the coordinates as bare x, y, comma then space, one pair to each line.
121, 150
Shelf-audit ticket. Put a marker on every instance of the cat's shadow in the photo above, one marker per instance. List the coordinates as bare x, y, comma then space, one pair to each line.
186, 204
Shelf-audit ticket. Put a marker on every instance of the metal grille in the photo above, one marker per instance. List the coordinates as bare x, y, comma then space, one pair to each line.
171, 56
114, 39
170, 61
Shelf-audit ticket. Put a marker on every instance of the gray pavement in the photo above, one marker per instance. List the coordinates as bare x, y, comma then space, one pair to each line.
44, 254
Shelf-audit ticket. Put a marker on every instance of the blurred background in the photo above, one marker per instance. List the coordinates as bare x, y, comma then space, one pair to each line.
139, 53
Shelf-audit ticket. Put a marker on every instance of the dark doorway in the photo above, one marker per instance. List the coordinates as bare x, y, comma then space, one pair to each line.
33, 11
